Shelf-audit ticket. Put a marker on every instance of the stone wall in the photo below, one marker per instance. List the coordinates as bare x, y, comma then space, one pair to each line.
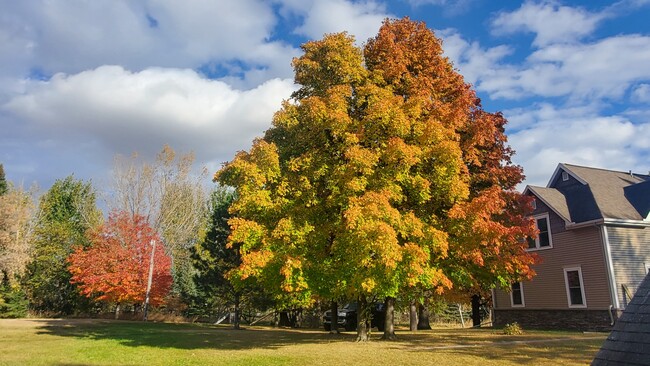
583, 320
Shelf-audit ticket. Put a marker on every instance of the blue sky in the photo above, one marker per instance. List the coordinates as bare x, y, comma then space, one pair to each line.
82, 81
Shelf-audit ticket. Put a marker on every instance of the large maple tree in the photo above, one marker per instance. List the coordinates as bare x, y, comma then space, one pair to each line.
381, 175
114, 268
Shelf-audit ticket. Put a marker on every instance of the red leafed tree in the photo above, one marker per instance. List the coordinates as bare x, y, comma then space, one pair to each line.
115, 267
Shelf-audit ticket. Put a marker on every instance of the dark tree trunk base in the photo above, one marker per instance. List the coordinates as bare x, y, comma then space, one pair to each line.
476, 311
413, 316
389, 319
334, 324
362, 320
423, 318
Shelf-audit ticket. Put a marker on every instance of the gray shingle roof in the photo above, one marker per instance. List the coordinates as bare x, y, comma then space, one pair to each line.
597, 194
554, 199
629, 341
608, 189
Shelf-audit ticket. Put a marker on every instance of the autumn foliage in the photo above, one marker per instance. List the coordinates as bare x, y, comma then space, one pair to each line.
115, 267
382, 175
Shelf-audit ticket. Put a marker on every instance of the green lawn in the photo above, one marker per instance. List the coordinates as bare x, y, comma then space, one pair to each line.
105, 342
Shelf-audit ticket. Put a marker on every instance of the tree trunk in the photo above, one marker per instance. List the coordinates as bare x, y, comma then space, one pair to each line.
423, 317
389, 319
362, 320
284, 319
117, 311
413, 316
476, 311
236, 320
334, 323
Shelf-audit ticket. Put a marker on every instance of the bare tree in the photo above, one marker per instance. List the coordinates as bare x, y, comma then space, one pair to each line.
171, 198
16, 211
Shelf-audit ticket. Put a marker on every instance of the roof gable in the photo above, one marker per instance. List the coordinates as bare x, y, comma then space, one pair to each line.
558, 172
585, 194
553, 199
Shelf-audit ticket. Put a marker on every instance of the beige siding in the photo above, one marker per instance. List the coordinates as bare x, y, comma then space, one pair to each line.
501, 299
630, 248
571, 248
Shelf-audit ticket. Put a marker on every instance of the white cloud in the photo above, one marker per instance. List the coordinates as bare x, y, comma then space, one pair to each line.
473, 61
641, 93
550, 21
361, 19
603, 69
548, 135
72, 36
110, 110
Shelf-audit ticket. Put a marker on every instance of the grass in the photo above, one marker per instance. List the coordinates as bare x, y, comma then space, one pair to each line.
106, 342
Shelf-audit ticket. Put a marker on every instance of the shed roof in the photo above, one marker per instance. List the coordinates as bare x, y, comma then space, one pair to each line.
629, 341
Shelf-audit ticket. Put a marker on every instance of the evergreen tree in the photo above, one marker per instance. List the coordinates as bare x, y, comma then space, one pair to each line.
213, 259
13, 302
65, 213
4, 187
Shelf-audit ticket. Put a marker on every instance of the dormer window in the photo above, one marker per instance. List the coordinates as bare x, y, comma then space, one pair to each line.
565, 176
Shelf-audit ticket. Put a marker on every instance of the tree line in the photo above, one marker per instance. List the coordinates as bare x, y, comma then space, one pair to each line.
382, 178
58, 256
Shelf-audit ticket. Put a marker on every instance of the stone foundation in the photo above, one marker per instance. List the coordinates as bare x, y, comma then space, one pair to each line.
570, 319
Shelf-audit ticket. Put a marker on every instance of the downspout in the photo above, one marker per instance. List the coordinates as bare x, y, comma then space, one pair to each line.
611, 316
613, 291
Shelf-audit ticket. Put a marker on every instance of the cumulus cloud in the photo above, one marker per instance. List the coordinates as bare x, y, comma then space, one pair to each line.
111, 110
44, 35
474, 61
641, 93
548, 135
550, 21
605, 69
361, 19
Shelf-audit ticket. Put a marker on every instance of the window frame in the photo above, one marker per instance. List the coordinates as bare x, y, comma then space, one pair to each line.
550, 236
582, 286
521, 292
565, 176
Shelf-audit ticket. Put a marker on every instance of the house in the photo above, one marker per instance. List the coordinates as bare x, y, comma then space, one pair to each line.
594, 246
629, 341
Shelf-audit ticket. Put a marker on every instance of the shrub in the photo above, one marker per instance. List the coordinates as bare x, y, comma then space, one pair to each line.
513, 329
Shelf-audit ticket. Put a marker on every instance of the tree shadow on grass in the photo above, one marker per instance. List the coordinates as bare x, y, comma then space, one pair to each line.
530, 349
185, 336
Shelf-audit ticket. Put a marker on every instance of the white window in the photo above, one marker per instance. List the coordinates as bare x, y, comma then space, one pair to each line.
575, 289
647, 267
534, 203
565, 176
517, 295
543, 239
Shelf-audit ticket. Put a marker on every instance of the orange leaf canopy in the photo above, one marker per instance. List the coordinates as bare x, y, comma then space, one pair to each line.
115, 267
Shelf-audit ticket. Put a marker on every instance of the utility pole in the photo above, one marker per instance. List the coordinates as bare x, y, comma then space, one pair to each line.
146, 299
